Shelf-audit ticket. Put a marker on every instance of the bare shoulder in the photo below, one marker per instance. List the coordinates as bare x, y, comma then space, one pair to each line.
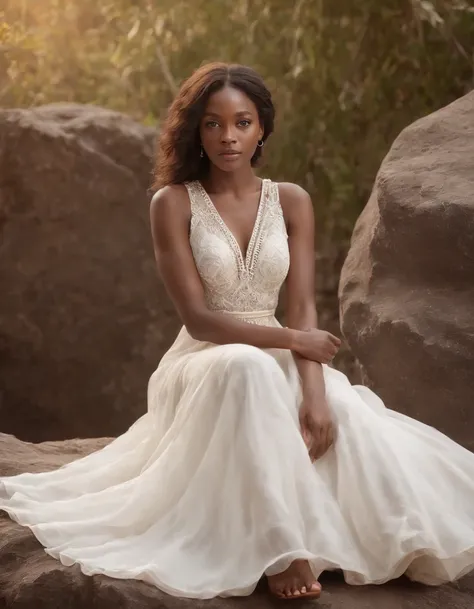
170, 215
171, 199
295, 201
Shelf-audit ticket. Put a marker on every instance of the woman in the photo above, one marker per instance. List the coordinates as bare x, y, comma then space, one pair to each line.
254, 457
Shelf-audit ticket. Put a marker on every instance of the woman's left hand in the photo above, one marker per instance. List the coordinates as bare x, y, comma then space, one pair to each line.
316, 426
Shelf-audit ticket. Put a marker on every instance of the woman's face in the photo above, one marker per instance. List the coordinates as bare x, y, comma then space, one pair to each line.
230, 129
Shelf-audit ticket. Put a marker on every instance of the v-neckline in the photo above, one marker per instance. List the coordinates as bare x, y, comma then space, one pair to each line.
246, 262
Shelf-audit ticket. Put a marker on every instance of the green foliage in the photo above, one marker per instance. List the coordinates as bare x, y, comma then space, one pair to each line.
346, 76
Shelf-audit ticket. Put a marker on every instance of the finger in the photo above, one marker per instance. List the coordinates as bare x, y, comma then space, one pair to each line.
325, 440
323, 443
316, 453
305, 431
320, 447
310, 444
330, 436
328, 355
307, 439
316, 444
334, 339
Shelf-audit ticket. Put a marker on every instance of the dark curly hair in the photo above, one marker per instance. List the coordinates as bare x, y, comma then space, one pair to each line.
179, 145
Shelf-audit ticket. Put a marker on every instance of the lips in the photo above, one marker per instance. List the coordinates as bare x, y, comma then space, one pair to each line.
229, 153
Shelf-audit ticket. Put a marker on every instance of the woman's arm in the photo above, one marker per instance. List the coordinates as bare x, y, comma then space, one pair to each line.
300, 289
301, 313
170, 216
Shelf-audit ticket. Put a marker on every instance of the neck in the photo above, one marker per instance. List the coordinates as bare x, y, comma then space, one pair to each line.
242, 180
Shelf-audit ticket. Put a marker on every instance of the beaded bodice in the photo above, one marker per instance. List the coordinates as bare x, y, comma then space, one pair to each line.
234, 283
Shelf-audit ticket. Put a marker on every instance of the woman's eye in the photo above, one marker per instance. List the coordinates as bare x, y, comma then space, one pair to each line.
243, 123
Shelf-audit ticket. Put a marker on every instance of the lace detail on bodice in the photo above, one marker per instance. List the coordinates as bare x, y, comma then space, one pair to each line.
231, 282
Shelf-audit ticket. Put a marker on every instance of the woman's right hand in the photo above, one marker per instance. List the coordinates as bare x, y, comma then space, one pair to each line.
317, 345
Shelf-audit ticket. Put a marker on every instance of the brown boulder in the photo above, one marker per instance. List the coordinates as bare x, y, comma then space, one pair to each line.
407, 285
31, 579
83, 317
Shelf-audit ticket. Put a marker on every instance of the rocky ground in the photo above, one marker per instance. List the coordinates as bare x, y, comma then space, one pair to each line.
31, 579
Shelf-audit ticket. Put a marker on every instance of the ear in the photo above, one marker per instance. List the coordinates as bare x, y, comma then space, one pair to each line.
260, 134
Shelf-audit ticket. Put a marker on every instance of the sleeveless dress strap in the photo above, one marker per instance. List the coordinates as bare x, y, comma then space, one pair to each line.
275, 210
197, 207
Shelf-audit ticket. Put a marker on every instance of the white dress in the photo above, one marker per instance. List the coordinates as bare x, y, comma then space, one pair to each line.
213, 486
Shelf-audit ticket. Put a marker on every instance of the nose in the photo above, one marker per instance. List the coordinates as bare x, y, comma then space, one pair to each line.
228, 135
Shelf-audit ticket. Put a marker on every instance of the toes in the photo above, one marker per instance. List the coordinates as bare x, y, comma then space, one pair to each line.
277, 588
281, 591
296, 585
312, 584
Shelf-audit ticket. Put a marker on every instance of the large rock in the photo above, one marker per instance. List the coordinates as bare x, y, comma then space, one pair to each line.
83, 318
407, 285
31, 579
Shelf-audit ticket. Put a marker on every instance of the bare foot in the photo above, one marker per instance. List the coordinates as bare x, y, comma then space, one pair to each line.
297, 580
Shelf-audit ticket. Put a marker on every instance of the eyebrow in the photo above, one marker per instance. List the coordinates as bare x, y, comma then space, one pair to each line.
241, 113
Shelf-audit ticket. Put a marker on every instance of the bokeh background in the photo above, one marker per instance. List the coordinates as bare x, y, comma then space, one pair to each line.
346, 76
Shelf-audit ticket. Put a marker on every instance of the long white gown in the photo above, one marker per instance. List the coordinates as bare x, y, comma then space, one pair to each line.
213, 486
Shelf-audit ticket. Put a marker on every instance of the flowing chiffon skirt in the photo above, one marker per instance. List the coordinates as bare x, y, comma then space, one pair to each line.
213, 486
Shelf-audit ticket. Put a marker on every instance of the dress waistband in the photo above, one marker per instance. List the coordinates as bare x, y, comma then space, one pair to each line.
249, 314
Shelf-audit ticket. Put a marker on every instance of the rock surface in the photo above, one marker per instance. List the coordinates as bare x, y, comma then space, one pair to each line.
31, 579
83, 317
407, 285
